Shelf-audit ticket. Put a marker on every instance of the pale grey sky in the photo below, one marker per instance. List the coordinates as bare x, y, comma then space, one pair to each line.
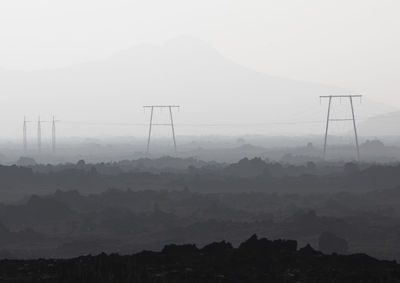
352, 44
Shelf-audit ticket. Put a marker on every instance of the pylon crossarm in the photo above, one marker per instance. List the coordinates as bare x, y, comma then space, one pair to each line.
337, 96
338, 120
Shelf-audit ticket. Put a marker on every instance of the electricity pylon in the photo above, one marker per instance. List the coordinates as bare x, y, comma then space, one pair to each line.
328, 119
24, 135
53, 135
39, 135
151, 124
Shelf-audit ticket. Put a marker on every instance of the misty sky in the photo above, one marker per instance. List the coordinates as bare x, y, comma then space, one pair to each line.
351, 44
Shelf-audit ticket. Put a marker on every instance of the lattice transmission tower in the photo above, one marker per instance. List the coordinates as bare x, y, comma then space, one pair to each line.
25, 135
353, 119
151, 124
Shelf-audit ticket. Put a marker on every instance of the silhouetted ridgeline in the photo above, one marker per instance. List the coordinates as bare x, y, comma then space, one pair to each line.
69, 224
69, 210
255, 260
244, 176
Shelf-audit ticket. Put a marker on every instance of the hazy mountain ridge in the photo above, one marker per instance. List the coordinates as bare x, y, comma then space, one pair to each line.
183, 71
382, 125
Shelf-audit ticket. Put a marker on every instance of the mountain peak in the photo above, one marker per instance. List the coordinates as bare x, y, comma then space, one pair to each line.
187, 41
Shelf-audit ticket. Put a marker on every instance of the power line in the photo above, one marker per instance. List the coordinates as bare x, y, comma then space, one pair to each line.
91, 123
194, 124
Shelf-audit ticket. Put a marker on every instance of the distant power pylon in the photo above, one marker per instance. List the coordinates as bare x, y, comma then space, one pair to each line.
53, 135
328, 119
24, 135
151, 124
39, 134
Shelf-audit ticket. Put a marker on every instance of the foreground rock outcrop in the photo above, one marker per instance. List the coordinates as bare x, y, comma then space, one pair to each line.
255, 260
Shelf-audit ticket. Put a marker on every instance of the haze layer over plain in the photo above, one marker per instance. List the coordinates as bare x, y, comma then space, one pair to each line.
350, 44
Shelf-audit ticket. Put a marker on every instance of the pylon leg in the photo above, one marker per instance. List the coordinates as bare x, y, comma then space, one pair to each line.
327, 126
150, 125
355, 129
173, 129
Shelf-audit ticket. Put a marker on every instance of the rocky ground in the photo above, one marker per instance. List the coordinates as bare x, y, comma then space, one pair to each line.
255, 260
